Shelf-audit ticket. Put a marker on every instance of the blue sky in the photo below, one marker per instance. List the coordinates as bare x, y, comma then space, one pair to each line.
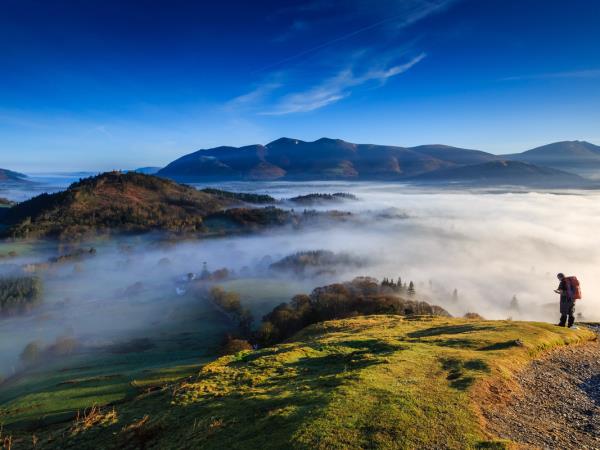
95, 85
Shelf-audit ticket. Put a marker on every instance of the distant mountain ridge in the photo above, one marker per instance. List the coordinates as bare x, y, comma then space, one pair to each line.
504, 172
580, 157
335, 159
293, 159
11, 177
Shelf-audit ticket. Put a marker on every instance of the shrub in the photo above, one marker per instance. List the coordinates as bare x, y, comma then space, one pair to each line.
229, 303
473, 316
18, 294
232, 345
31, 353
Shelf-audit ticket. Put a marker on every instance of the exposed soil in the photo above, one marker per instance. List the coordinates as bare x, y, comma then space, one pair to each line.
556, 405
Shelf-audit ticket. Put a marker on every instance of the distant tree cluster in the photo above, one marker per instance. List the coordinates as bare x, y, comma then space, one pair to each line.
319, 198
221, 274
9, 254
241, 196
19, 294
75, 256
248, 218
300, 262
229, 303
361, 296
389, 285
35, 352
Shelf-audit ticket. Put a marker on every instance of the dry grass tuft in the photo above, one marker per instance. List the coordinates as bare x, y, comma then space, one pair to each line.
92, 417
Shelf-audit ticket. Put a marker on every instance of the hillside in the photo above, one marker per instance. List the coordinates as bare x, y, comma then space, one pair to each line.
456, 155
10, 177
504, 172
578, 156
131, 202
293, 159
365, 382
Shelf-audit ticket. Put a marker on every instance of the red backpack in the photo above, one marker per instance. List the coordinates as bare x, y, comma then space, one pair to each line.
573, 288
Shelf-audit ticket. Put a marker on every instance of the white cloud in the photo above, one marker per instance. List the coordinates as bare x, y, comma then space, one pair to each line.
336, 88
253, 97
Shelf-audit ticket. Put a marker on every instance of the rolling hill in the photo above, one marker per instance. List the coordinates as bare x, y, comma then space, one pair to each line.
577, 156
504, 173
132, 202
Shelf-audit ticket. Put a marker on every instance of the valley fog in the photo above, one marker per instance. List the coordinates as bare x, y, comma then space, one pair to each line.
489, 246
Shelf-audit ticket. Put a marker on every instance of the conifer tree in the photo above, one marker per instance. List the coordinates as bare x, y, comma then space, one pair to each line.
455, 295
514, 303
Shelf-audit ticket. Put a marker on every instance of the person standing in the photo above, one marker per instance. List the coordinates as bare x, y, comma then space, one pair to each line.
567, 302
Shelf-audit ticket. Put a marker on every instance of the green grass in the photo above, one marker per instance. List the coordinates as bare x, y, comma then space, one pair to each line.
54, 391
371, 382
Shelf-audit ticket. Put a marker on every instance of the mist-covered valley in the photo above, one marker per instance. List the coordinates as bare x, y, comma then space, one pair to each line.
495, 253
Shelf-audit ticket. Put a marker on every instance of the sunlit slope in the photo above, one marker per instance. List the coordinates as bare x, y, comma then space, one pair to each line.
112, 201
367, 382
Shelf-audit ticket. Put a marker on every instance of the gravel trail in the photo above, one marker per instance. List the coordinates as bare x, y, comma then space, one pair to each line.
559, 405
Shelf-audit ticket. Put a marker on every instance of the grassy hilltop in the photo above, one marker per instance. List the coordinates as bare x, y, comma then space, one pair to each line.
366, 382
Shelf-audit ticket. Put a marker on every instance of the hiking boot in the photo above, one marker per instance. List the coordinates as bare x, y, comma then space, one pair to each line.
573, 327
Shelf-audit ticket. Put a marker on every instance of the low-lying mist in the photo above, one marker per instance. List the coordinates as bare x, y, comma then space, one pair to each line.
489, 246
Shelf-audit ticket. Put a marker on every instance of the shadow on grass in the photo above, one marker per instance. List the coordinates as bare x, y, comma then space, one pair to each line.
366, 354
457, 375
295, 392
449, 329
291, 396
501, 345
372, 346
452, 343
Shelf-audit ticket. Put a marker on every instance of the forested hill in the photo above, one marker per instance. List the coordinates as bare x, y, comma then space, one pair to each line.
114, 201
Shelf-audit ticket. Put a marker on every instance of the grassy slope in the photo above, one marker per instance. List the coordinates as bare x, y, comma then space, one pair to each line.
55, 391
369, 382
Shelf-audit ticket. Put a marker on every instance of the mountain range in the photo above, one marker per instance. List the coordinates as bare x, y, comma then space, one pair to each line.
335, 159
560, 164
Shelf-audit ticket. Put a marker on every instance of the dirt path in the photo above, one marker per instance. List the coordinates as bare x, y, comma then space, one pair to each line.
559, 406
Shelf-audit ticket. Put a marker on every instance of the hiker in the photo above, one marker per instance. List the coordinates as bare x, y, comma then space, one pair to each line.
568, 289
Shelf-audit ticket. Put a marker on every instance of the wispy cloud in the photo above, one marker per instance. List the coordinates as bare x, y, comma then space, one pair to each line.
411, 12
588, 73
255, 96
336, 89
328, 70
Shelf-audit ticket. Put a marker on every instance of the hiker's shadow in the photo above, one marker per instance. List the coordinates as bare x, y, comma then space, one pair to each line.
592, 388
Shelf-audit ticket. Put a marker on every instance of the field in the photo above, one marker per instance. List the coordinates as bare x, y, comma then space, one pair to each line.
368, 382
53, 391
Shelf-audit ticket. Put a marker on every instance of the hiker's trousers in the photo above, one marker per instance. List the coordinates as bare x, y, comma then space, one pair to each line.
567, 310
